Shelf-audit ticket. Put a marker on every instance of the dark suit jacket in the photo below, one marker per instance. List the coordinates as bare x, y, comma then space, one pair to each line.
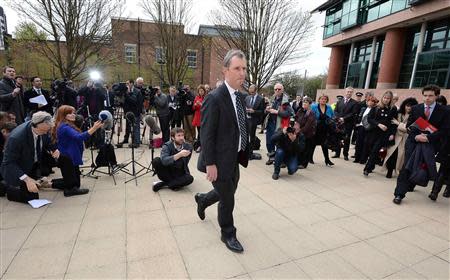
33, 107
347, 111
18, 158
168, 151
8, 103
98, 94
439, 118
220, 135
258, 106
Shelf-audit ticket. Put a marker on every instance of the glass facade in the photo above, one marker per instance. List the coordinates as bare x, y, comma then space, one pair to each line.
350, 13
433, 62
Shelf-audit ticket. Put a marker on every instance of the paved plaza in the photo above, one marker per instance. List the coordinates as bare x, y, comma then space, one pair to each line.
320, 223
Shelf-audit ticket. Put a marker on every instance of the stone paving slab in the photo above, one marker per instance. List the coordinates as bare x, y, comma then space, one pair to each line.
322, 222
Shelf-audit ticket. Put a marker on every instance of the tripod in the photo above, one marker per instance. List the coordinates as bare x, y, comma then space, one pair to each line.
107, 151
118, 114
90, 174
133, 162
149, 168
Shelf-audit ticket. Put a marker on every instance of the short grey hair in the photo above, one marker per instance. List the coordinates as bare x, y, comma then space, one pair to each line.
41, 117
230, 54
139, 79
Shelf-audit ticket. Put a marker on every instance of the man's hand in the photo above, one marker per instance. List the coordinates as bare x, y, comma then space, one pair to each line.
341, 120
211, 173
382, 127
56, 154
16, 92
273, 111
391, 137
184, 153
422, 138
292, 136
31, 185
250, 110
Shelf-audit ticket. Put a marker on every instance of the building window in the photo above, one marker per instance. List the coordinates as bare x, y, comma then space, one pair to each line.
130, 53
375, 9
433, 68
160, 55
192, 58
349, 13
438, 36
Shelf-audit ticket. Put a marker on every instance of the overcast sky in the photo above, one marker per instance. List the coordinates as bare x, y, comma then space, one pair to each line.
316, 63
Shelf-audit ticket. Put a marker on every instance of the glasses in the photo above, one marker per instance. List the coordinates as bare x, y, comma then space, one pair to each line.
277, 89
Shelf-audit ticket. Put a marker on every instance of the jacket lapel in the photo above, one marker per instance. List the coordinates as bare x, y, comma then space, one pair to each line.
226, 97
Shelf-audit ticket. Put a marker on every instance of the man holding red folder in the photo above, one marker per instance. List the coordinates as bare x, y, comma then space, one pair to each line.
427, 123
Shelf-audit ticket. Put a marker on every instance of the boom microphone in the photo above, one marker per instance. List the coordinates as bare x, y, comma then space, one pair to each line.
107, 119
130, 117
151, 122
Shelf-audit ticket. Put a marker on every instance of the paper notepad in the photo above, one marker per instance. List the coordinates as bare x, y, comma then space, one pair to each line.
40, 99
37, 203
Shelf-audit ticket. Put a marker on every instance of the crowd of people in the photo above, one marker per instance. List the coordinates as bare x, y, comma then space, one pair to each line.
42, 130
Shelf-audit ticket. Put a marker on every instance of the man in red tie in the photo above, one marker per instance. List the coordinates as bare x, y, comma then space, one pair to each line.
438, 116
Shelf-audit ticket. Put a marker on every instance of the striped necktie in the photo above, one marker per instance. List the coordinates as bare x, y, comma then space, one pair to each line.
241, 120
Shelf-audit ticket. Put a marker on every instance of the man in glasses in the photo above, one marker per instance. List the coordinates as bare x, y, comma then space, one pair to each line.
279, 109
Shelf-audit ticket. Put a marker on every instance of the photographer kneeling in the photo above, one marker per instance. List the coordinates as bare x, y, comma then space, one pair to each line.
289, 143
172, 167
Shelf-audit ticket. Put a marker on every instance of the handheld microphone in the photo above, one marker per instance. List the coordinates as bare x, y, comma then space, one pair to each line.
151, 122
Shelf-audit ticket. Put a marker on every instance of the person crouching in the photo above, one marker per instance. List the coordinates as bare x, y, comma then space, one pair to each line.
172, 166
289, 143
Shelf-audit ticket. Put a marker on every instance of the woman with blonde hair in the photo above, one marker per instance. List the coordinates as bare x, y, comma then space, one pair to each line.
381, 121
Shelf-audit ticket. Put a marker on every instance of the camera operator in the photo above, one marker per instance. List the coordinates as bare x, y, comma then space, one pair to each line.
64, 94
289, 143
187, 100
122, 90
109, 100
161, 103
175, 115
11, 95
172, 167
134, 103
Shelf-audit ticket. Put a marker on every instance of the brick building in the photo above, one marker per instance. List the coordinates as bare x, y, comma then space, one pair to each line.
377, 45
135, 43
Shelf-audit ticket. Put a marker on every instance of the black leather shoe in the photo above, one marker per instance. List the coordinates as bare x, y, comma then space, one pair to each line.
433, 196
200, 207
75, 191
269, 162
329, 163
275, 176
366, 173
389, 174
346, 158
397, 200
157, 186
446, 192
233, 244
335, 156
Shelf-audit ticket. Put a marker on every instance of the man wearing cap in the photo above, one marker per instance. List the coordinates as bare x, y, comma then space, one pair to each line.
22, 156
359, 101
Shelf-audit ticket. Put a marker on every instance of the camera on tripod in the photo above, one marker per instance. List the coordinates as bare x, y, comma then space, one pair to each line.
119, 90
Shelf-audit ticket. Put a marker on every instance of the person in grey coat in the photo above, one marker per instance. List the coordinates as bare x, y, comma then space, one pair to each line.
11, 95
161, 103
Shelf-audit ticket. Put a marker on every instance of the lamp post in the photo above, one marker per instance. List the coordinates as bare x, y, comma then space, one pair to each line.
160, 61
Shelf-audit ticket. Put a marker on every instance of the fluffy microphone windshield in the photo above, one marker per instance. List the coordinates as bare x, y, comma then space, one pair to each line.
106, 117
151, 122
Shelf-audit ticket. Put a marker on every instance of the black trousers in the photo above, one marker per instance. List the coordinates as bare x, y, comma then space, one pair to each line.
360, 153
164, 122
252, 126
71, 179
175, 178
403, 183
223, 193
307, 155
127, 130
375, 141
347, 138
391, 163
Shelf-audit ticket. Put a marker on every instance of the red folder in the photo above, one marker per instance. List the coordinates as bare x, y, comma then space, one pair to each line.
424, 125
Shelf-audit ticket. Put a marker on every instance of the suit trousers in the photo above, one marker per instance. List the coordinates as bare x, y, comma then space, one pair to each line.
223, 193
164, 122
189, 129
252, 127
403, 183
360, 154
347, 138
174, 178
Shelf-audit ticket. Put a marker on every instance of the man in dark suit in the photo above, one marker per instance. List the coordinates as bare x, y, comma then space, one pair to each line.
36, 91
11, 95
22, 158
346, 110
175, 115
438, 116
255, 109
225, 145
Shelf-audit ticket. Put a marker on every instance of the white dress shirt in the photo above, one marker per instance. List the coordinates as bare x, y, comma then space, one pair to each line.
233, 99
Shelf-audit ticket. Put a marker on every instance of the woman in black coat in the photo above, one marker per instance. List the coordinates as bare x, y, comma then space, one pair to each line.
378, 137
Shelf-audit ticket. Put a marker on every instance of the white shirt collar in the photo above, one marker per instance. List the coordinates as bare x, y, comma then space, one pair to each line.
230, 89
431, 106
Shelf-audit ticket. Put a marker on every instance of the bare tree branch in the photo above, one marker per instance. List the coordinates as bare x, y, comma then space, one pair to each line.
271, 33
78, 30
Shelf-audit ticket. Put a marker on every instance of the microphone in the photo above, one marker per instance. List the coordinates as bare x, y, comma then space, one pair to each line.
106, 118
151, 122
130, 117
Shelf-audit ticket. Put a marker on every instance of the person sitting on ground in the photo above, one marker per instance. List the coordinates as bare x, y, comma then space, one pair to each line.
172, 167
21, 166
289, 143
6, 129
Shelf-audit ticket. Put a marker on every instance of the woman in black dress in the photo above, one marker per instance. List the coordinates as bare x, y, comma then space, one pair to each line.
324, 114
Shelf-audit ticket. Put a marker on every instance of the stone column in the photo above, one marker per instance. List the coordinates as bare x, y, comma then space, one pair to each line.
391, 59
